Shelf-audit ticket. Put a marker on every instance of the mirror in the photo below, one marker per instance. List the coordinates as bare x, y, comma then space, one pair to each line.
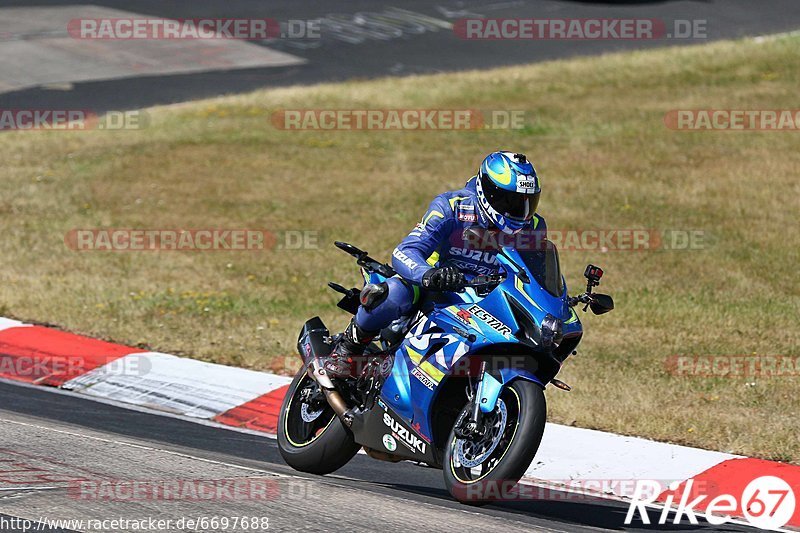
349, 248
601, 303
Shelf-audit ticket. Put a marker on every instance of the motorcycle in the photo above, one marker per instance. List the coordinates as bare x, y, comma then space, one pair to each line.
456, 385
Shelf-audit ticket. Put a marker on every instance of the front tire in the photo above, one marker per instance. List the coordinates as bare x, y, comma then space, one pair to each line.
310, 436
483, 469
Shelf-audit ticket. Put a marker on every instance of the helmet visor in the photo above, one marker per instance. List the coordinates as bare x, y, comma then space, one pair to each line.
510, 204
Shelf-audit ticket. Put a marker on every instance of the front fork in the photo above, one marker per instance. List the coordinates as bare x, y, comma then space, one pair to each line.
487, 392
480, 405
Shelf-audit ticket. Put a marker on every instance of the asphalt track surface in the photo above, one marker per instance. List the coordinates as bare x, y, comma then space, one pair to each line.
333, 57
49, 438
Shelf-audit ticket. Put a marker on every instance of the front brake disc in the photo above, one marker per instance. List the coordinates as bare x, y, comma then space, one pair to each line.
473, 453
307, 414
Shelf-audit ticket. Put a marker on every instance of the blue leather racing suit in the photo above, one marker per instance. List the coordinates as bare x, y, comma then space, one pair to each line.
438, 240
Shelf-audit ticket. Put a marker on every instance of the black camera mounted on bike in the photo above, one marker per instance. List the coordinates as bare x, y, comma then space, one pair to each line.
592, 275
598, 303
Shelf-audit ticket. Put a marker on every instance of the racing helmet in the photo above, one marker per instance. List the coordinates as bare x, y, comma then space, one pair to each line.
508, 190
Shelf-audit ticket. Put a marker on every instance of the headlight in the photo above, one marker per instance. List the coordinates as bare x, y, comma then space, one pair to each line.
552, 331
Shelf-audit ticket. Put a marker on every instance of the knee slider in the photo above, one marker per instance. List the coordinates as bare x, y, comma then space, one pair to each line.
373, 294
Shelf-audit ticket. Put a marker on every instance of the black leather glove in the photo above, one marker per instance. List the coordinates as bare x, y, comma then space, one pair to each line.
447, 278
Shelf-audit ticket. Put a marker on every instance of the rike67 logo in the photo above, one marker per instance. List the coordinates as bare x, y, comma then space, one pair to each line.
767, 502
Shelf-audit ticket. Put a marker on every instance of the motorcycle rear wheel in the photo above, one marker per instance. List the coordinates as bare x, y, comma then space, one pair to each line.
311, 438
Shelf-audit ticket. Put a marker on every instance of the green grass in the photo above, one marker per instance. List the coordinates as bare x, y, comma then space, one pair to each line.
606, 160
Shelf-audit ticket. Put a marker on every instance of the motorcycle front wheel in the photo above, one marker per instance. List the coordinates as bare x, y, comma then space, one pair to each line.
310, 436
487, 467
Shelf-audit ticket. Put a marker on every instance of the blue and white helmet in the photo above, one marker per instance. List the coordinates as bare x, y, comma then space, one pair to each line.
508, 190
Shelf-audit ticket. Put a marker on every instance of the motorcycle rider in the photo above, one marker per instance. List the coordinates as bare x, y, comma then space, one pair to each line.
501, 199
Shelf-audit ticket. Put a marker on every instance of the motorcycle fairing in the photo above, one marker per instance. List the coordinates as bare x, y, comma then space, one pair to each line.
382, 429
463, 325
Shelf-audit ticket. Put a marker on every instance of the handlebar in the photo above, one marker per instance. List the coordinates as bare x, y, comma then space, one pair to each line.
483, 280
584, 298
364, 260
371, 265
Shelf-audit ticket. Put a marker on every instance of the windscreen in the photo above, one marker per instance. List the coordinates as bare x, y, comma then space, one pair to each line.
543, 264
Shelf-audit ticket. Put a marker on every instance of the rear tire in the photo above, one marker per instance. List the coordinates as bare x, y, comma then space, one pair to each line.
481, 470
312, 439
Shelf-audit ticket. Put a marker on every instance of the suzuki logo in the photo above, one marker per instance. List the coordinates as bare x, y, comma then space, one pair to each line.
405, 436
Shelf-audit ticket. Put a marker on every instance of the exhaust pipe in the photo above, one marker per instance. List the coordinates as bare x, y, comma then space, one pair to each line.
312, 341
317, 372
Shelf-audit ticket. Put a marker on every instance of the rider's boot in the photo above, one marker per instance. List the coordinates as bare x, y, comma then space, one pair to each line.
345, 358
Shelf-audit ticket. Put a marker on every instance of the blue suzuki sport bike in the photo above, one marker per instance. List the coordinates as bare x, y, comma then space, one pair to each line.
457, 385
